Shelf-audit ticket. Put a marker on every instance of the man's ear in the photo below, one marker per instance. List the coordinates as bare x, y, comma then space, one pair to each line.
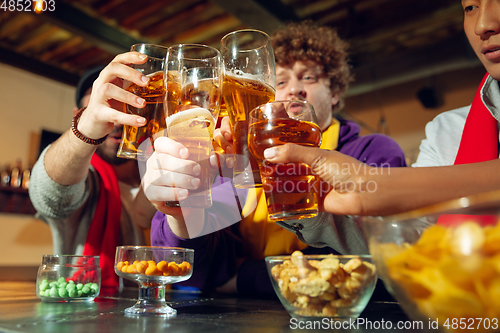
335, 99
75, 111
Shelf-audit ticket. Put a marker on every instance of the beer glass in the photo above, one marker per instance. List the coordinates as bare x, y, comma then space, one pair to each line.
291, 189
154, 113
192, 100
249, 80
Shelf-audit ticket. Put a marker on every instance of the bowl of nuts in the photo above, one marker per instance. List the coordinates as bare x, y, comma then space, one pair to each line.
152, 268
312, 286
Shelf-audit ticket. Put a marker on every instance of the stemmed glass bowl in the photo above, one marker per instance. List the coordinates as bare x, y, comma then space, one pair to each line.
152, 268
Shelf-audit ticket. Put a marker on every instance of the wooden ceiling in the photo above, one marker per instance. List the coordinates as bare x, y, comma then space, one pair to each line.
392, 41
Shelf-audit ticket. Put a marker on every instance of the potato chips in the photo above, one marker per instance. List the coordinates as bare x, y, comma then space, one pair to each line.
449, 272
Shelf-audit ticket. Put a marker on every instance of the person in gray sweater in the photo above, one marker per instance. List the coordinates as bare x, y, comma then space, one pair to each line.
91, 199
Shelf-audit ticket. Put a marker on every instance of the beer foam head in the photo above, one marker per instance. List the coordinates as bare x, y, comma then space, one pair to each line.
189, 115
239, 74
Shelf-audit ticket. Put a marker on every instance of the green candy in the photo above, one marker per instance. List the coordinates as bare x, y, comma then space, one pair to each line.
70, 289
86, 290
63, 292
53, 292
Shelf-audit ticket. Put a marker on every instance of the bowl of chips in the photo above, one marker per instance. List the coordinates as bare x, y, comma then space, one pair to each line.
319, 286
442, 263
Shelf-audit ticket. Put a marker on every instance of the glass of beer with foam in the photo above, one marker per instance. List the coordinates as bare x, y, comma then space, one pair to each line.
249, 80
291, 189
192, 100
133, 137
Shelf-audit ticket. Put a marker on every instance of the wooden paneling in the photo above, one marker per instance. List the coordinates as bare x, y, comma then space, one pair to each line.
82, 34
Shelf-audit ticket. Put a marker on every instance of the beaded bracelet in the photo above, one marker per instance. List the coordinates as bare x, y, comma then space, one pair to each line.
76, 132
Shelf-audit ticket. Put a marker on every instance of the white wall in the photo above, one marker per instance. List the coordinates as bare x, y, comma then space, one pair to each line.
28, 104
405, 116
23, 240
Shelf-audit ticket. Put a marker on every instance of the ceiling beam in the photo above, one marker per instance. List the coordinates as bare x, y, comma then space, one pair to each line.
90, 28
37, 67
279, 10
265, 15
452, 54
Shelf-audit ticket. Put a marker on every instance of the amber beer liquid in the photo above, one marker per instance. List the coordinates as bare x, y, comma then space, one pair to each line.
291, 189
194, 127
242, 95
222, 112
133, 137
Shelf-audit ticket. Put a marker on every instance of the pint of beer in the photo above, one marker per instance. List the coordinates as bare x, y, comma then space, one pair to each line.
291, 189
249, 80
133, 137
192, 101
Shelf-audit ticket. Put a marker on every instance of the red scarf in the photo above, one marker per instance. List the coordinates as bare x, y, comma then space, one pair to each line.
479, 143
104, 231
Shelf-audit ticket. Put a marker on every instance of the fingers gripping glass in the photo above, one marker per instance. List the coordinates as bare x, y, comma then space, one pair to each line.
133, 137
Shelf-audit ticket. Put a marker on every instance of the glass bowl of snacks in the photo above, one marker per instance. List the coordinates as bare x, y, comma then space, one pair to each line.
152, 268
68, 278
313, 286
442, 263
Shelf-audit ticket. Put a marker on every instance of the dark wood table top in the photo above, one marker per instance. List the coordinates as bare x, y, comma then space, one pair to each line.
22, 311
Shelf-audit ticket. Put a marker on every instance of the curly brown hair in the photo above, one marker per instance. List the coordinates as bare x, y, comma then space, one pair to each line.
307, 41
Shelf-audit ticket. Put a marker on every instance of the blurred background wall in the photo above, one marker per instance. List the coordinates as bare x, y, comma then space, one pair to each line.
410, 58
31, 103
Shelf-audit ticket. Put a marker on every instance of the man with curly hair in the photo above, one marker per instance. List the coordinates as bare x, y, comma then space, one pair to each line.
311, 65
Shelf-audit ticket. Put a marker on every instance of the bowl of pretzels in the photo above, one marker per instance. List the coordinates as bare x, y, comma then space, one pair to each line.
319, 286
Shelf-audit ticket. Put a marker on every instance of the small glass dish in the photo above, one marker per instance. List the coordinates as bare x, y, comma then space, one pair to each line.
152, 268
323, 286
68, 278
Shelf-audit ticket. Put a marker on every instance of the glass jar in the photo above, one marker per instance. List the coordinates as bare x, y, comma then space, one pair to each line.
68, 278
